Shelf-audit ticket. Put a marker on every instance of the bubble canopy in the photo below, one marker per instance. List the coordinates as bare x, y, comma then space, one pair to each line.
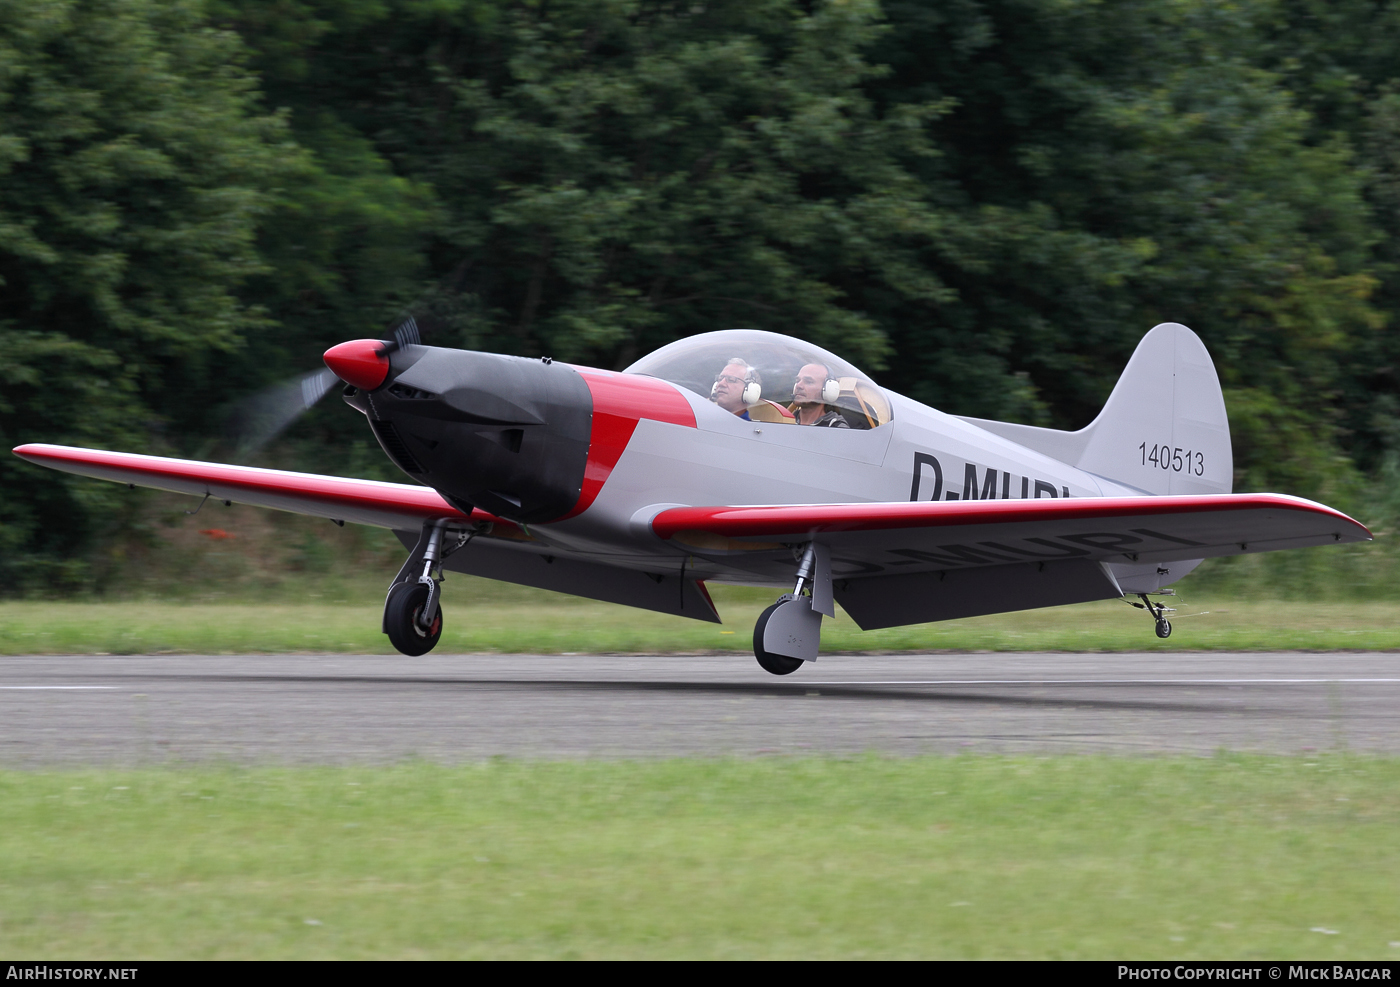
695, 363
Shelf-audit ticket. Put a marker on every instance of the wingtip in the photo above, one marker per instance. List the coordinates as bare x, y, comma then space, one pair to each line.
29, 450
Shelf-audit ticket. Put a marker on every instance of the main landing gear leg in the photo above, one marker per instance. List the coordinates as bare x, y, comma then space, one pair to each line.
789, 632
412, 610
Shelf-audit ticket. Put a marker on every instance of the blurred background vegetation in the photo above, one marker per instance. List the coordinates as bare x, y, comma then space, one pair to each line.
984, 202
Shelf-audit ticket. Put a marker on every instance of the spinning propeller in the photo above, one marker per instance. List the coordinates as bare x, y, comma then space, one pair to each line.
363, 363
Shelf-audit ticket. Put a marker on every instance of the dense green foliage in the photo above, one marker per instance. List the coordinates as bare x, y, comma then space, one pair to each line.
134, 167
985, 202
1127, 164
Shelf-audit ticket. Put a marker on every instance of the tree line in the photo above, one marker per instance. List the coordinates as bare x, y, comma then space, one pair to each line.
985, 203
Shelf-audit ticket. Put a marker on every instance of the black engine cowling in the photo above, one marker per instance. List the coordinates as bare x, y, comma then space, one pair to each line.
504, 433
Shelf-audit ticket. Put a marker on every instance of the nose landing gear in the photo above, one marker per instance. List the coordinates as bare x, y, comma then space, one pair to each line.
412, 610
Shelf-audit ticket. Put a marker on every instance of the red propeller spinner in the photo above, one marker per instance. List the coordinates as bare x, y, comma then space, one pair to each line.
362, 363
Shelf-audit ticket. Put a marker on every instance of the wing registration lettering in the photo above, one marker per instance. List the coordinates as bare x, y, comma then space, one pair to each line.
952, 555
1062, 551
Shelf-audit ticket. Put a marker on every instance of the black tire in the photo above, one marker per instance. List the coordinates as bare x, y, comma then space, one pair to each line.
1164, 627
401, 620
777, 664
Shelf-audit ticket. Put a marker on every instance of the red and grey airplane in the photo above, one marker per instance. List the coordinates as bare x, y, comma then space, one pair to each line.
750, 457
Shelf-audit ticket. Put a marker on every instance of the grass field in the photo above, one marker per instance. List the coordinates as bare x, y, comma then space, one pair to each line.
486, 616
1013, 857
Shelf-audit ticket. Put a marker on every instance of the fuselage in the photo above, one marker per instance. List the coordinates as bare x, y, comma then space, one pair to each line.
585, 458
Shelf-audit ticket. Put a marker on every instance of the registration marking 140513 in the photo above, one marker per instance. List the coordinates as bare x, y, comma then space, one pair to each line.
1173, 458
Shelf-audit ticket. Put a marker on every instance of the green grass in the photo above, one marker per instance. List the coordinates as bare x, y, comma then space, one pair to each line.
1020, 857
483, 616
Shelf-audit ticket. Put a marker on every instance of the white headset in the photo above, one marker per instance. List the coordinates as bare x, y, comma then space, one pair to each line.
831, 390
753, 390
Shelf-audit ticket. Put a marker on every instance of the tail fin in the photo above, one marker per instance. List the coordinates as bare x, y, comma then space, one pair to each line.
1163, 430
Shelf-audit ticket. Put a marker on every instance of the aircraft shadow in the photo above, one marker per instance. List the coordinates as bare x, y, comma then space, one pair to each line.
799, 690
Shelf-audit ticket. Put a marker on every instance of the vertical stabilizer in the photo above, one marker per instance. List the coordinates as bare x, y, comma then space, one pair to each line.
1164, 429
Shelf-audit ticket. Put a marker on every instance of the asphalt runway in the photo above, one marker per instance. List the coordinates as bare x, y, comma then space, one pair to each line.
342, 709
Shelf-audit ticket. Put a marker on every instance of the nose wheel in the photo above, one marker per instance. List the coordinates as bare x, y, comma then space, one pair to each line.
403, 619
412, 609
1164, 627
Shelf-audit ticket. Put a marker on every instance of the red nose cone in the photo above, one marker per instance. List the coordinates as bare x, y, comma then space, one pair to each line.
360, 362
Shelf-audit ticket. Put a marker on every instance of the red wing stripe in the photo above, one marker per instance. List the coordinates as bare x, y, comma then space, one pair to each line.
767, 522
325, 493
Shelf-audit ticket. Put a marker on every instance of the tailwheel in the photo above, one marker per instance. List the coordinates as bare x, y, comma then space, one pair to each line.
777, 664
1159, 613
401, 619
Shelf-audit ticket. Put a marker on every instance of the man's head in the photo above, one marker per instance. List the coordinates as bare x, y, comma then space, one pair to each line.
807, 389
730, 382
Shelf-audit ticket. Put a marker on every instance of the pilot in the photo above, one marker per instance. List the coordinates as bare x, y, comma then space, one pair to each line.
732, 382
807, 402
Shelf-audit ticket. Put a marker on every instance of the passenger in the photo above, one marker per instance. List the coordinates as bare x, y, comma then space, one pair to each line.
807, 402
730, 384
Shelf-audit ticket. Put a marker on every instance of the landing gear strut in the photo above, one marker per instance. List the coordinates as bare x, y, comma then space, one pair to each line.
789, 632
412, 610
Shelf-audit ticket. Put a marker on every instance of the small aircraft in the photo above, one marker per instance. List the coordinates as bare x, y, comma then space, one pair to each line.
751, 457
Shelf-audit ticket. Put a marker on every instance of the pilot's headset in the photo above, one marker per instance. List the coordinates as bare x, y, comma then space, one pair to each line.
753, 384
831, 390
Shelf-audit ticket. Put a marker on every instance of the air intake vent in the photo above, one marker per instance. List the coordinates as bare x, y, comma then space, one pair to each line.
389, 438
510, 438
